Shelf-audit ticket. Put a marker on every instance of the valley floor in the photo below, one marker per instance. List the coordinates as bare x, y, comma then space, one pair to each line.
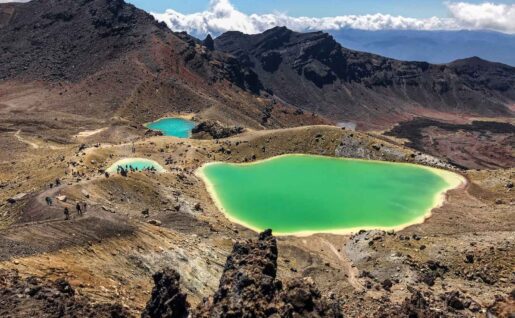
139, 224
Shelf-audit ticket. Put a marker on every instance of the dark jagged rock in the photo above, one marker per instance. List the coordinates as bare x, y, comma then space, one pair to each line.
209, 43
432, 270
453, 300
248, 285
300, 298
167, 300
339, 82
214, 130
24, 297
153, 133
249, 288
416, 306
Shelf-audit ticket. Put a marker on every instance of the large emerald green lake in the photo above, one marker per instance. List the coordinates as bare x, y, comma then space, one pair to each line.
302, 194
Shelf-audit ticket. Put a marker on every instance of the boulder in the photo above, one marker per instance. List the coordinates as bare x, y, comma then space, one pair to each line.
155, 222
16, 198
214, 130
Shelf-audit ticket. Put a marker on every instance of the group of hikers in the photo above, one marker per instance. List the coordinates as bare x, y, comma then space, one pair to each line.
80, 208
124, 171
57, 183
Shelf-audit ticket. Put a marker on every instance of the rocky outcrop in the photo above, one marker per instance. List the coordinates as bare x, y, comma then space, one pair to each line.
167, 300
209, 43
25, 297
214, 130
248, 288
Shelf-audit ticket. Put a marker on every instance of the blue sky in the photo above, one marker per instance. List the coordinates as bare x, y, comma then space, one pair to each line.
202, 17
314, 8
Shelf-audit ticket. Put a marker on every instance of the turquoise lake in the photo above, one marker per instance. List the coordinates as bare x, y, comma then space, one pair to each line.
139, 164
174, 127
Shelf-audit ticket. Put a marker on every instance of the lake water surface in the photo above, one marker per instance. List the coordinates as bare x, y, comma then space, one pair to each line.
302, 194
175, 127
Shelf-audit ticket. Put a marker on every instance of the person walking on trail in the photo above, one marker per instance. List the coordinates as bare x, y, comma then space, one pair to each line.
84, 207
57, 182
66, 214
48, 201
78, 208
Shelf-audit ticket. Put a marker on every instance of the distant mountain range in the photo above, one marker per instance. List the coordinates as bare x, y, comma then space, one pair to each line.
314, 72
431, 46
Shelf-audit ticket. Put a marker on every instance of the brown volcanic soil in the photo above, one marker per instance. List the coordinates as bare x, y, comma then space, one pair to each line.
478, 145
109, 254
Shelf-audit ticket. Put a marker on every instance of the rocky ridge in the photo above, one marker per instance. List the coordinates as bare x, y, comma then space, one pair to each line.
350, 85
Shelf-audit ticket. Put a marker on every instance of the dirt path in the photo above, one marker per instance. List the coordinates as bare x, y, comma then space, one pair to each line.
34, 145
352, 272
89, 133
25, 141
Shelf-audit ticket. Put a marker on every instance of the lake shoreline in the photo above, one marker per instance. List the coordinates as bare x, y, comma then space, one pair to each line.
454, 181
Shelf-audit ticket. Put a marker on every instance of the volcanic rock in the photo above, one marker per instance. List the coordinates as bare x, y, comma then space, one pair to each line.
214, 130
24, 297
248, 288
167, 300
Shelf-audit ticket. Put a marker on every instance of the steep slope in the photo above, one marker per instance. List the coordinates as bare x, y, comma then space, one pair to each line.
107, 59
312, 71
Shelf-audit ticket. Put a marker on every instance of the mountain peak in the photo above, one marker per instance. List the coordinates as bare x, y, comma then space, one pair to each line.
69, 32
350, 84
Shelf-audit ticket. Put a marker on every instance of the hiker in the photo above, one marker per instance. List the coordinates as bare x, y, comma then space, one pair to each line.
57, 182
79, 209
66, 214
84, 207
48, 201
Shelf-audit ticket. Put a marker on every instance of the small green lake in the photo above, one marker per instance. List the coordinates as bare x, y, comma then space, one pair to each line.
302, 194
175, 127
138, 164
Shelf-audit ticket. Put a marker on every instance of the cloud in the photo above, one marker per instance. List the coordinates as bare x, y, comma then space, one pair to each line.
500, 17
222, 16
